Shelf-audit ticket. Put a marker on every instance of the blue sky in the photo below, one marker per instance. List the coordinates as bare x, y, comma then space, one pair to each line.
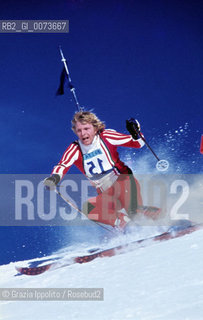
126, 58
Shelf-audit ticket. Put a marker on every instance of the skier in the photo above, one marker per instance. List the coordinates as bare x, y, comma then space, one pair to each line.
95, 155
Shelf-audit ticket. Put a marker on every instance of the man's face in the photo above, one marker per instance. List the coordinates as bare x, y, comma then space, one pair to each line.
85, 132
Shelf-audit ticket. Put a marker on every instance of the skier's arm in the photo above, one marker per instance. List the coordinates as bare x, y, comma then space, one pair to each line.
125, 140
68, 159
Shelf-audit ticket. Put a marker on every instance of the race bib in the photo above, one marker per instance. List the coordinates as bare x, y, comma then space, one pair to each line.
96, 162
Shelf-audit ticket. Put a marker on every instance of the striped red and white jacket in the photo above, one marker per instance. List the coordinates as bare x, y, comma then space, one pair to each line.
99, 161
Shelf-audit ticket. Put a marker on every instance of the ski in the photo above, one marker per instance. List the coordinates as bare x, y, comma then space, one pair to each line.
173, 232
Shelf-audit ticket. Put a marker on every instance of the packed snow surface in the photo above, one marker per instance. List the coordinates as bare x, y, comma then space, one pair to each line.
162, 281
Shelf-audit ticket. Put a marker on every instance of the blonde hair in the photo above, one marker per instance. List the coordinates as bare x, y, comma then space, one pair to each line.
89, 117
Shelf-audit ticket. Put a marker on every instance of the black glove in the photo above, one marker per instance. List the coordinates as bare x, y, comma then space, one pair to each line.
51, 182
133, 126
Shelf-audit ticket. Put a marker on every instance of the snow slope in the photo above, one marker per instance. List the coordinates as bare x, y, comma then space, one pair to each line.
163, 281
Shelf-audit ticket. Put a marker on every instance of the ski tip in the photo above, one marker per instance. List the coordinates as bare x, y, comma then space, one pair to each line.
33, 271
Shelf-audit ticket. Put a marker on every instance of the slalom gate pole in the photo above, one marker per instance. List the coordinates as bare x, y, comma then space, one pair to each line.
201, 145
82, 213
71, 87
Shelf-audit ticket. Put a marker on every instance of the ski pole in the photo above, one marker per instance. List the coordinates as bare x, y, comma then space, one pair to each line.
71, 87
148, 146
82, 213
162, 165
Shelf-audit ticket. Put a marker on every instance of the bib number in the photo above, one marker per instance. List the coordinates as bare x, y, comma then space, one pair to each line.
95, 167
